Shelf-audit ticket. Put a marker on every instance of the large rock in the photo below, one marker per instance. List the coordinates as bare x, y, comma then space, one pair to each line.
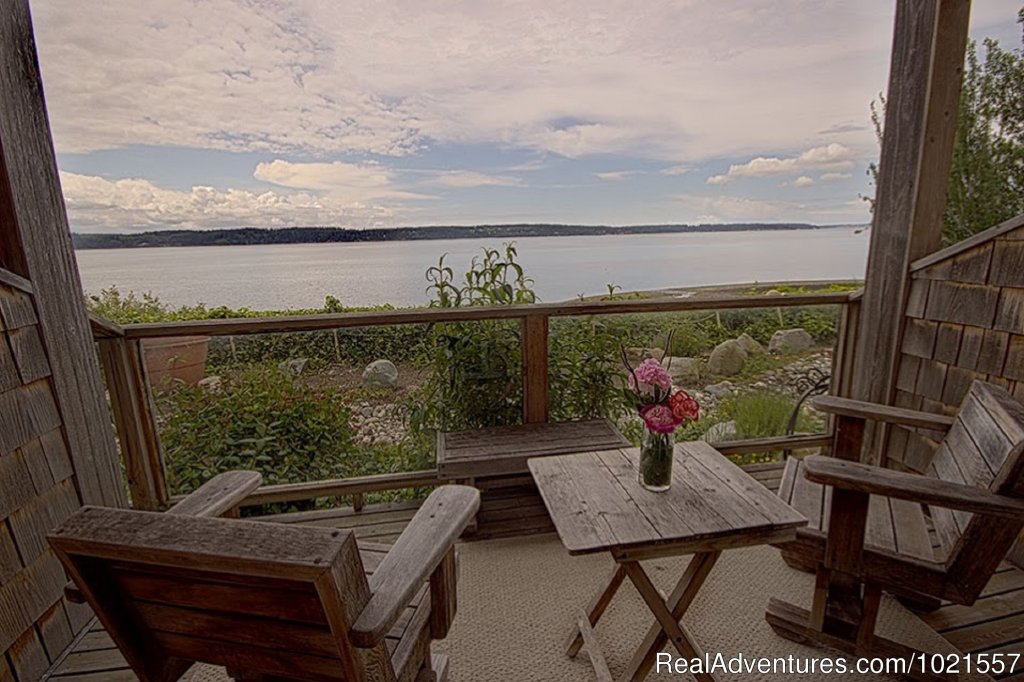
721, 432
750, 345
380, 374
727, 358
684, 371
788, 341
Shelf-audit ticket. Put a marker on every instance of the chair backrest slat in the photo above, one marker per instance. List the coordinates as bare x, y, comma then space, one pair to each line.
984, 448
257, 598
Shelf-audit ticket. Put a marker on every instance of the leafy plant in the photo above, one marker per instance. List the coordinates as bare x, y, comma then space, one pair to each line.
258, 419
475, 366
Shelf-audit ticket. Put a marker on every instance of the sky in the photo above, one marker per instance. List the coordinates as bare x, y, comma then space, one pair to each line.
198, 114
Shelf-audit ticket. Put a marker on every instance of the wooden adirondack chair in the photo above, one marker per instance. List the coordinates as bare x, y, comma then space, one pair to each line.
268, 601
868, 530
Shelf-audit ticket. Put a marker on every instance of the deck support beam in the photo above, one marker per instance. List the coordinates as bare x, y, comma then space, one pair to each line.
926, 73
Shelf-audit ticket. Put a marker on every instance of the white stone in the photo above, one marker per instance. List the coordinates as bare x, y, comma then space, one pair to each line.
750, 345
380, 374
719, 390
727, 358
721, 432
293, 366
788, 341
211, 383
684, 371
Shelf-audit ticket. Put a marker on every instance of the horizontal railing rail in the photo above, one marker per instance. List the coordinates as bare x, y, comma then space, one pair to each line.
134, 415
297, 323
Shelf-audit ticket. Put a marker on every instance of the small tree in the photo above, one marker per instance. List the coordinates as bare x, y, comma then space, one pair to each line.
986, 182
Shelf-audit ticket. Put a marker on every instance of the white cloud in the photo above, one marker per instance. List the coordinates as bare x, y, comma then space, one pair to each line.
616, 176
575, 78
834, 177
98, 204
829, 156
680, 169
466, 179
803, 181
722, 208
346, 181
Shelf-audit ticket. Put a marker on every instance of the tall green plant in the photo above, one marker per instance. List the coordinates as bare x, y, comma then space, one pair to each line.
475, 366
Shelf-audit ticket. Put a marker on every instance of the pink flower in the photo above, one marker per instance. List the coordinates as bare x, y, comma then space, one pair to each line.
649, 374
660, 418
684, 406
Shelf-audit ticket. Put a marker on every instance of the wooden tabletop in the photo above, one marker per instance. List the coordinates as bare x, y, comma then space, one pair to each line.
598, 505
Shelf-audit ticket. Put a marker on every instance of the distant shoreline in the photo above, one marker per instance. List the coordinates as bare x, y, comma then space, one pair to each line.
325, 235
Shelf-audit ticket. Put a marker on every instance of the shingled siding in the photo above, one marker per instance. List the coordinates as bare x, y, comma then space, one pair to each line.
964, 321
37, 492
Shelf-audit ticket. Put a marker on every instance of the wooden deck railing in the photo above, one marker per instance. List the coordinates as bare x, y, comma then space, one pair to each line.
134, 417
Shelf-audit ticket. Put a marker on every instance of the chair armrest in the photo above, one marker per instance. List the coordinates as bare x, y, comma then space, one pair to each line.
914, 487
418, 551
219, 495
882, 413
216, 497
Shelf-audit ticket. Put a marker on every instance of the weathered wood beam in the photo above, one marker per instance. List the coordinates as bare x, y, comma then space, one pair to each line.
37, 245
134, 418
926, 73
535, 368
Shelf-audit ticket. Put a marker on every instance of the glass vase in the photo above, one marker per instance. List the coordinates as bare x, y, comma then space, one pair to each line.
655, 470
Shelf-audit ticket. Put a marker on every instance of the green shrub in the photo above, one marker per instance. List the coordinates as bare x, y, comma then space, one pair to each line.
584, 367
764, 414
258, 419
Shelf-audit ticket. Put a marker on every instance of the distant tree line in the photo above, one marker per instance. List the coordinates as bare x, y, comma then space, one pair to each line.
321, 235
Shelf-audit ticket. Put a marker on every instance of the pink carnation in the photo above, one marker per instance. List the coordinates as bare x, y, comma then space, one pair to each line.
660, 418
649, 374
684, 405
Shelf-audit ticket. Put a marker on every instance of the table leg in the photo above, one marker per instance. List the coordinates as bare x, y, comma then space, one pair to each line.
596, 609
668, 614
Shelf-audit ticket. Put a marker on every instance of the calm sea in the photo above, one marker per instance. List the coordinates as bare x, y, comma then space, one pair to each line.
300, 275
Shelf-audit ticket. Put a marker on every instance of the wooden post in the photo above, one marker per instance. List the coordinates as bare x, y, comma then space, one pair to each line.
35, 243
535, 368
132, 405
926, 73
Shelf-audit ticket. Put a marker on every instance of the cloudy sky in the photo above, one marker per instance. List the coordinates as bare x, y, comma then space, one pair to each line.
225, 113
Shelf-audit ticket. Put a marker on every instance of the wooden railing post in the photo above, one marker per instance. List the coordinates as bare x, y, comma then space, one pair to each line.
535, 368
132, 405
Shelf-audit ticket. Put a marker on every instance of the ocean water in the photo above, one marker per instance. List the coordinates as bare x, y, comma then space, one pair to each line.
301, 275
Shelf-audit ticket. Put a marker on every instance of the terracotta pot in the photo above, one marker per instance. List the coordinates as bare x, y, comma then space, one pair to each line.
181, 358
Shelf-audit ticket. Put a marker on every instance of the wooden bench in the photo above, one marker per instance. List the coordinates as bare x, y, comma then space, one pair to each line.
502, 451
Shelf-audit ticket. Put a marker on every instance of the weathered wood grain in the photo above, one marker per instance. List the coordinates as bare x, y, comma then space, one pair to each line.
923, 94
597, 505
29, 354
32, 211
973, 304
134, 419
219, 495
534, 329
1007, 264
504, 450
420, 549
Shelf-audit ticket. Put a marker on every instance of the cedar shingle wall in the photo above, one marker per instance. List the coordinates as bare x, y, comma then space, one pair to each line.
37, 493
965, 321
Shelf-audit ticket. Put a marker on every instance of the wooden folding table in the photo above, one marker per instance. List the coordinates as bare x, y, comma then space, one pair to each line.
598, 505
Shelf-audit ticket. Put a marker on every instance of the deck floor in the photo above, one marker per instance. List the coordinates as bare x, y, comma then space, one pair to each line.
994, 624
